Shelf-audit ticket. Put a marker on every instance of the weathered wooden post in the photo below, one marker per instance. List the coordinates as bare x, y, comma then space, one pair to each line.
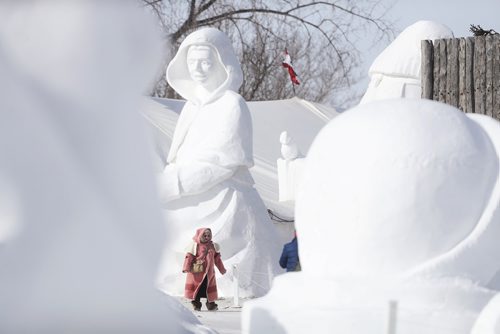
427, 69
443, 63
435, 72
489, 49
452, 72
462, 96
469, 74
463, 72
479, 75
496, 78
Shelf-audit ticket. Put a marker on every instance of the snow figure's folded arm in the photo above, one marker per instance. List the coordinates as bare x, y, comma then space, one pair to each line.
179, 180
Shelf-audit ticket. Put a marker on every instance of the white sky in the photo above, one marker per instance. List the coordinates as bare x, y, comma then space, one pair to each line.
458, 15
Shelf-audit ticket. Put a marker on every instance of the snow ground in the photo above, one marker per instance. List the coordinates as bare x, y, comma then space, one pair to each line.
227, 320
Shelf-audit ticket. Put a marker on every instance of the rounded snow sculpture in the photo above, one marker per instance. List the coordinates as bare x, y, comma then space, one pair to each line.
396, 71
207, 182
399, 201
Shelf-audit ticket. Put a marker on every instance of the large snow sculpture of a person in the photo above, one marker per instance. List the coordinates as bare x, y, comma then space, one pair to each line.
399, 201
396, 70
207, 182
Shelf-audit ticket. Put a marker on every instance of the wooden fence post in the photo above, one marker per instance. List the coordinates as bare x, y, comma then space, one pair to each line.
443, 61
462, 95
427, 68
469, 75
463, 72
435, 70
480, 75
489, 50
496, 79
452, 72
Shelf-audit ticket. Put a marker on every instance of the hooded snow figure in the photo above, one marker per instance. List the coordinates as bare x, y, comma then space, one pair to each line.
396, 71
207, 182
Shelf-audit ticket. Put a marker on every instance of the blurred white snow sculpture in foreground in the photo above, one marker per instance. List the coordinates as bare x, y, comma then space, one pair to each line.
71, 147
10, 210
399, 201
396, 71
207, 182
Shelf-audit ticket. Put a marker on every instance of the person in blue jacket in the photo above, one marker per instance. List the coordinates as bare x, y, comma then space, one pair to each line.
290, 256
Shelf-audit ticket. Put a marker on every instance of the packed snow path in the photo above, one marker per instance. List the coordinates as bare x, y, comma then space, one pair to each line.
227, 320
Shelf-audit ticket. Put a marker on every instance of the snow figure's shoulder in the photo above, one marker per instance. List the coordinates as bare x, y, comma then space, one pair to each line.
231, 98
217, 247
231, 107
191, 248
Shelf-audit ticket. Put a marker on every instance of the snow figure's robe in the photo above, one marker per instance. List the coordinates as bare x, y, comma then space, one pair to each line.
209, 254
402, 199
207, 182
396, 70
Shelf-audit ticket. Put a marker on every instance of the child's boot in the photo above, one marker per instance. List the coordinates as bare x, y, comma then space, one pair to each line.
196, 305
211, 306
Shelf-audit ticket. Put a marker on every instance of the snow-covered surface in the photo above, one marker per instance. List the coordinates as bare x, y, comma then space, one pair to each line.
226, 320
402, 197
396, 70
75, 164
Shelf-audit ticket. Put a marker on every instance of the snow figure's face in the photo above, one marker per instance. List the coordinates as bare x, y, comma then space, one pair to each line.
206, 236
200, 62
203, 66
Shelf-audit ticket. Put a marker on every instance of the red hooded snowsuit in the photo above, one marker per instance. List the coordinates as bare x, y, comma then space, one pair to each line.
209, 253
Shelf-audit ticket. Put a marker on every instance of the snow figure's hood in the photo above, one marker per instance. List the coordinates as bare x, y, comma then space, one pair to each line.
178, 75
402, 57
198, 234
402, 187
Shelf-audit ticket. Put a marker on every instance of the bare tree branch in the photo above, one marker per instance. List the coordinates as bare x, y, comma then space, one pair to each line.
320, 36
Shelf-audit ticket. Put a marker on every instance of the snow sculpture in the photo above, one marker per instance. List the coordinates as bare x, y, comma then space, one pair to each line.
396, 71
289, 149
399, 201
289, 168
207, 182
89, 234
